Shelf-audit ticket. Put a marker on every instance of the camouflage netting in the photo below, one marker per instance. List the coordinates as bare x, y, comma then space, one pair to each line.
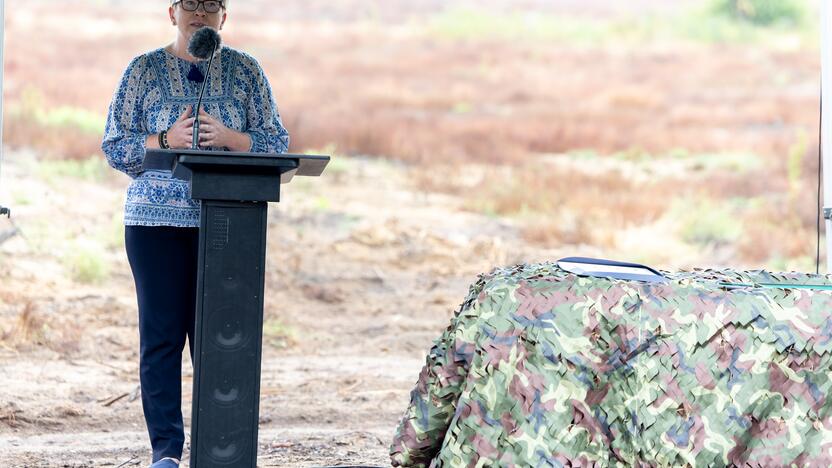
543, 368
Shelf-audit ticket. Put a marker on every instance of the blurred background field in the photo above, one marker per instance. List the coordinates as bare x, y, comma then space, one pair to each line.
465, 134
584, 122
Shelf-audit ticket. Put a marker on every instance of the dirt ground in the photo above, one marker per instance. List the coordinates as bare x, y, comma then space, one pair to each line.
362, 274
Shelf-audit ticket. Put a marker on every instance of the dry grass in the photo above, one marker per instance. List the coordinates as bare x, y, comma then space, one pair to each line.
393, 88
27, 329
562, 207
35, 328
399, 92
57, 142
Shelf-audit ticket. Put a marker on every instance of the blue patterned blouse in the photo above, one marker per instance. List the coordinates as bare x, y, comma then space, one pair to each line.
153, 93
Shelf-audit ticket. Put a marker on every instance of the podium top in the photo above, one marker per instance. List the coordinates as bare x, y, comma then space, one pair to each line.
168, 159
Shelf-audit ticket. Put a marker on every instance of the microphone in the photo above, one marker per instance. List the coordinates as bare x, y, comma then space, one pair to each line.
203, 45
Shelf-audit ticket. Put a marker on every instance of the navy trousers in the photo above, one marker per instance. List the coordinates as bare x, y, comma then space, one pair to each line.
164, 263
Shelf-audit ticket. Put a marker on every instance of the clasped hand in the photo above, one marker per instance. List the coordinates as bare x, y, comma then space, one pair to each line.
212, 132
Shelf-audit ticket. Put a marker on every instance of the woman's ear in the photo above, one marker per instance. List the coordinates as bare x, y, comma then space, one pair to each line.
172, 17
224, 16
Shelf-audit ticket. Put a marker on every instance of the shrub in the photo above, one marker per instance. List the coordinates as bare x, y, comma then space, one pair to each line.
761, 12
278, 334
87, 265
707, 222
93, 169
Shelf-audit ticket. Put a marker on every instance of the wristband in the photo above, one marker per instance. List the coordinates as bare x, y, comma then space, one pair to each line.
163, 140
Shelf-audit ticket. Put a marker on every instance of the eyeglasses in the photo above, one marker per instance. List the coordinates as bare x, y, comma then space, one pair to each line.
210, 6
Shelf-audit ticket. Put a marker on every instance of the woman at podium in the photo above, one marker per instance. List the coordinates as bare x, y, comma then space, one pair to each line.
152, 108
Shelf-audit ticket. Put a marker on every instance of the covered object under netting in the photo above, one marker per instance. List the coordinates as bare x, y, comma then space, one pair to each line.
710, 368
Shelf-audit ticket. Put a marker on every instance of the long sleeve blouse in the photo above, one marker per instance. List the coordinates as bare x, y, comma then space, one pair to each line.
153, 93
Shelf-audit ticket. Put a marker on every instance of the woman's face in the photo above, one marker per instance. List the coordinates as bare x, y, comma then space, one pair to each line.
187, 22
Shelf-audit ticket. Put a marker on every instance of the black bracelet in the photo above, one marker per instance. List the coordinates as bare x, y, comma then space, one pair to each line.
163, 140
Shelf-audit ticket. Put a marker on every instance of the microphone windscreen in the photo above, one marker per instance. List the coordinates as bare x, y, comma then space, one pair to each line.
204, 41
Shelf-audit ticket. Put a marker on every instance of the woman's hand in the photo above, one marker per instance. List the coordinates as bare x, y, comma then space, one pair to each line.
181, 133
213, 133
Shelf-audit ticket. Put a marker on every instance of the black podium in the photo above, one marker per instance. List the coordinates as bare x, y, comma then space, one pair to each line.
234, 189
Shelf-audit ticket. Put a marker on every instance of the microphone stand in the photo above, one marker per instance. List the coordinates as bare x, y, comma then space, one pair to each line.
195, 143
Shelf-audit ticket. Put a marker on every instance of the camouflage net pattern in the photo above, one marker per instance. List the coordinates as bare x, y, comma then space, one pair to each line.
542, 368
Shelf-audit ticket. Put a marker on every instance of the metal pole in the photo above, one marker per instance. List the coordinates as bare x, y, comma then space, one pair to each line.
3, 210
2, 66
826, 124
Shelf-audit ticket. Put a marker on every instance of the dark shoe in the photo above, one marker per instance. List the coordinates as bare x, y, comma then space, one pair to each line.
165, 463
